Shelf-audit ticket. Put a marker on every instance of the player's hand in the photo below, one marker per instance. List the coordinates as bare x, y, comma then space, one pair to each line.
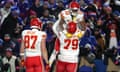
22, 62
47, 68
80, 34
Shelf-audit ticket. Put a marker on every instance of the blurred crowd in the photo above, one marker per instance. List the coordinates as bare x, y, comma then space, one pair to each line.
100, 42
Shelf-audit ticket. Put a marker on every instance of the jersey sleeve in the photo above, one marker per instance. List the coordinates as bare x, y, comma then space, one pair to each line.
61, 15
81, 16
44, 35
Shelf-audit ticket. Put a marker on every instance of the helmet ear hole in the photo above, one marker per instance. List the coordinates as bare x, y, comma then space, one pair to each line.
71, 27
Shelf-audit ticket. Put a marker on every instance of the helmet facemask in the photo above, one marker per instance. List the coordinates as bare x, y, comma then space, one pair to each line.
74, 7
74, 11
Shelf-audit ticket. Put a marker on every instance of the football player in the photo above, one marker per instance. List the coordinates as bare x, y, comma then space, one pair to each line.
74, 14
33, 47
67, 48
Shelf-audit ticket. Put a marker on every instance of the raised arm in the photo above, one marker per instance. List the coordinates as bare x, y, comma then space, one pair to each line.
58, 25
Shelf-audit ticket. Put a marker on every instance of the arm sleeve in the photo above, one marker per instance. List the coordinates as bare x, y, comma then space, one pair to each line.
56, 27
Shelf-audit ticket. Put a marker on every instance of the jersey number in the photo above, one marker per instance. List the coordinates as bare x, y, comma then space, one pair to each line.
30, 41
74, 43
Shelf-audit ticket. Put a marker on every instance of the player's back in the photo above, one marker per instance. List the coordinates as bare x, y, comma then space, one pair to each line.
32, 41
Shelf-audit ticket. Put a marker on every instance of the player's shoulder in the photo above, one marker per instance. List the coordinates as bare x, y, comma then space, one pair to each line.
80, 12
25, 31
66, 12
43, 34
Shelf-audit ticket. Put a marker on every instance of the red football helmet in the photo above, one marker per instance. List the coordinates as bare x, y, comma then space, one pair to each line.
71, 27
35, 23
74, 7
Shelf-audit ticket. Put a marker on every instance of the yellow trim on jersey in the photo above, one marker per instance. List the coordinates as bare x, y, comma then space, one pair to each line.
68, 35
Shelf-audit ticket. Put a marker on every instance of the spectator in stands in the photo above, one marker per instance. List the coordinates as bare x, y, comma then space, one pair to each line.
31, 14
83, 5
100, 39
36, 7
117, 59
100, 61
112, 35
8, 42
17, 39
115, 4
87, 59
116, 16
66, 2
59, 8
5, 11
1, 46
47, 17
107, 14
50, 41
10, 62
18, 29
45, 6
10, 22
90, 39
24, 7
91, 13
52, 6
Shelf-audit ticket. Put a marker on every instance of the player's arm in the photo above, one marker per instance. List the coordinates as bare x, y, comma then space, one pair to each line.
81, 21
52, 57
43, 49
83, 25
22, 53
55, 52
58, 25
22, 48
61, 24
